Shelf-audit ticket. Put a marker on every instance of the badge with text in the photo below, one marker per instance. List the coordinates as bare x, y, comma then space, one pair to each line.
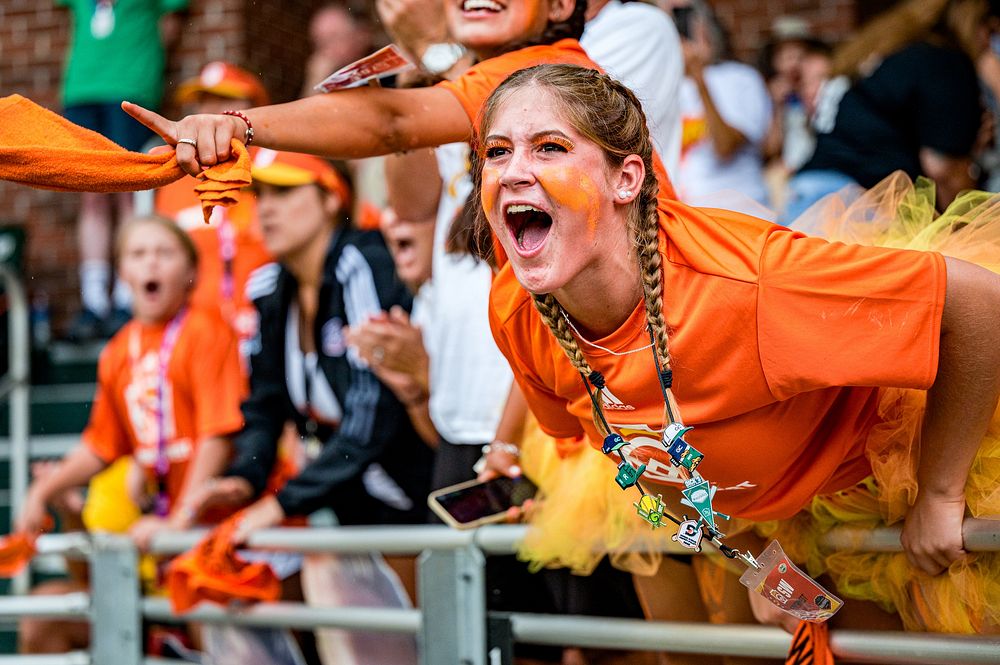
380, 64
788, 588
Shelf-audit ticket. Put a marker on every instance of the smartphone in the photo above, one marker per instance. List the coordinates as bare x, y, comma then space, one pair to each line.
475, 503
682, 19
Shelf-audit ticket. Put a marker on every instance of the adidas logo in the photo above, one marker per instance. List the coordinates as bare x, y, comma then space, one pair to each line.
612, 403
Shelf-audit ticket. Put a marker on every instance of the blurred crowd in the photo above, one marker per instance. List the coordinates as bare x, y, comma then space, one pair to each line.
321, 353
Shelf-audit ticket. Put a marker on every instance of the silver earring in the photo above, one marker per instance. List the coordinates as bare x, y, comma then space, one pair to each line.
624, 193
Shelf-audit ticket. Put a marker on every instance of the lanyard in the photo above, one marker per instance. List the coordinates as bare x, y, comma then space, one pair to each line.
162, 465
227, 252
697, 491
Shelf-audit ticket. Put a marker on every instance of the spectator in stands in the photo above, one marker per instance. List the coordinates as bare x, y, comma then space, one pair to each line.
726, 112
340, 33
904, 96
117, 51
164, 397
230, 247
366, 462
790, 140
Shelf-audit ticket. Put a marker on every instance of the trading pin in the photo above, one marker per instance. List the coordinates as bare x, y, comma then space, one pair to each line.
698, 494
651, 509
691, 458
689, 534
628, 475
673, 440
612, 442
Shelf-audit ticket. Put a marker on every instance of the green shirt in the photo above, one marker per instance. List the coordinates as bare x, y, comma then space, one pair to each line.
116, 53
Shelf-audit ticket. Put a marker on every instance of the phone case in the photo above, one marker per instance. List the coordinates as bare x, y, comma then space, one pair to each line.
447, 517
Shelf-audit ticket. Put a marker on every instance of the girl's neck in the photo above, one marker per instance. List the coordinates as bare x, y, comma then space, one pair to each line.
602, 298
306, 264
150, 321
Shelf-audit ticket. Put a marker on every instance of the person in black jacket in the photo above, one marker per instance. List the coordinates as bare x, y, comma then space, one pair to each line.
364, 459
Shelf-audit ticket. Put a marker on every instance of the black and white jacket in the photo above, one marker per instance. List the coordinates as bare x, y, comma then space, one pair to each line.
374, 433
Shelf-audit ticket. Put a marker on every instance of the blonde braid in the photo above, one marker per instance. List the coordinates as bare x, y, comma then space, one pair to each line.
552, 314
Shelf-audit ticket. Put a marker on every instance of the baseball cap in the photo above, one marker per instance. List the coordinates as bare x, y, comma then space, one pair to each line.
294, 169
225, 80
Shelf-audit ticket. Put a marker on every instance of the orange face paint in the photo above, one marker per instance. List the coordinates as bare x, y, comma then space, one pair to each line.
575, 190
488, 192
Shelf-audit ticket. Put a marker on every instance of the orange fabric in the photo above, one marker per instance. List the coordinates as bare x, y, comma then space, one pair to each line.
810, 645
204, 383
766, 326
474, 87
214, 572
179, 202
16, 552
42, 149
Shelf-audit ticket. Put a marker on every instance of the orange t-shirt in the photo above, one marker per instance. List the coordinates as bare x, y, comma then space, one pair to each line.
767, 326
474, 87
201, 395
236, 228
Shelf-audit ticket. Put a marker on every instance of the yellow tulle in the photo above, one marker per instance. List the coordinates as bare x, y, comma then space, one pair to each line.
966, 599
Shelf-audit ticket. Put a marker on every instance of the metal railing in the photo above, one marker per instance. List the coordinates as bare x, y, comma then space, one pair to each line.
15, 385
451, 622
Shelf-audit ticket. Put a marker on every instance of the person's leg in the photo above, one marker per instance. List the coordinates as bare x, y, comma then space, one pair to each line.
672, 594
37, 636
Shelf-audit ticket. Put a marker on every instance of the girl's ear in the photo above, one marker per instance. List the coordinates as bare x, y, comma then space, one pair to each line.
561, 10
629, 180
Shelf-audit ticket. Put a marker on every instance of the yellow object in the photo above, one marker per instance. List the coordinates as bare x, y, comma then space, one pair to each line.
109, 508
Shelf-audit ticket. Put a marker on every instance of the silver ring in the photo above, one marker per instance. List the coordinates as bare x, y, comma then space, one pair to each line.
378, 354
191, 142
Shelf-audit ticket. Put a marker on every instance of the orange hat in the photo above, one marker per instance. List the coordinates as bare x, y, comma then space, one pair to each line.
225, 80
293, 169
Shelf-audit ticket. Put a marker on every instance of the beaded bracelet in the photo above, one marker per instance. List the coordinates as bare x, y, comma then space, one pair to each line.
248, 137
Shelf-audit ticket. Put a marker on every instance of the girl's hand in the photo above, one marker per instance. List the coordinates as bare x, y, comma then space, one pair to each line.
499, 462
211, 132
142, 532
33, 516
265, 513
229, 491
932, 533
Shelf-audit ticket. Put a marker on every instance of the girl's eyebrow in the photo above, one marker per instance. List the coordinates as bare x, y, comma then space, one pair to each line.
533, 137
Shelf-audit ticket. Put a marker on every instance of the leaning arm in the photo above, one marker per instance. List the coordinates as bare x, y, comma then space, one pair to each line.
960, 405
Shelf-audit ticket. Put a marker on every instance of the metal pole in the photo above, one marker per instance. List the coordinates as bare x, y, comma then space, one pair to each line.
452, 589
19, 373
291, 615
71, 658
979, 535
633, 634
918, 648
64, 606
116, 624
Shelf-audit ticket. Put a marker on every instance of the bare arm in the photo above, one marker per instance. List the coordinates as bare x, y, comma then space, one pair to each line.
347, 124
960, 405
211, 457
413, 185
78, 467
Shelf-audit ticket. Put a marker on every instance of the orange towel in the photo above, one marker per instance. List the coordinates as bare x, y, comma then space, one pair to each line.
42, 149
810, 645
214, 572
16, 551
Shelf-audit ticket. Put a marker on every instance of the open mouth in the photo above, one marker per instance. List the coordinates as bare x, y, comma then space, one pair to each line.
528, 225
152, 287
484, 6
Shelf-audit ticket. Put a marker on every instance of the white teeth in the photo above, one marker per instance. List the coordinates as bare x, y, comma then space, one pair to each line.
511, 209
470, 5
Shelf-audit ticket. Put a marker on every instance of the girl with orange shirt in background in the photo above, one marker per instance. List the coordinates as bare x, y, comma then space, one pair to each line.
165, 396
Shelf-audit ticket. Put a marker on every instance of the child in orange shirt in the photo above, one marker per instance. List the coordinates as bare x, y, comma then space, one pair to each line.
169, 388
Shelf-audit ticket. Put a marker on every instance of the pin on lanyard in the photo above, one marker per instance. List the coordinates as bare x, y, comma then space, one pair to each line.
161, 467
697, 492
